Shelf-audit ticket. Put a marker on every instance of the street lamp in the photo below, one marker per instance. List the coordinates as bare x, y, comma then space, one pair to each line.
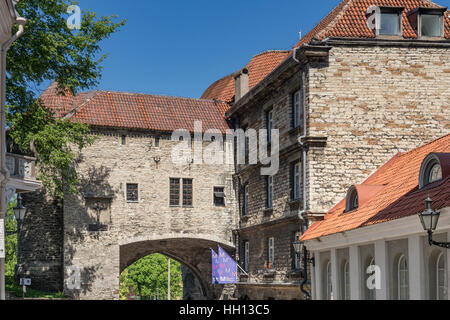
19, 213
302, 254
429, 219
19, 210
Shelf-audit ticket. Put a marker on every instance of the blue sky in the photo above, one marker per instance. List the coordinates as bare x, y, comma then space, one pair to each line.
180, 47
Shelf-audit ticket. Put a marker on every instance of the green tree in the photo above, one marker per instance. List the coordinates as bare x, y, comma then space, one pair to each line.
147, 275
50, 51
10, 242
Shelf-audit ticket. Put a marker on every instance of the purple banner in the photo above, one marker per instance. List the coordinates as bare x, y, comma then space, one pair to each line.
224, 268
215, 267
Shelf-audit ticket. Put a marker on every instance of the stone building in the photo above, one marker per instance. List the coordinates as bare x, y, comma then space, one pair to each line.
376, 232
134, 199
345, 100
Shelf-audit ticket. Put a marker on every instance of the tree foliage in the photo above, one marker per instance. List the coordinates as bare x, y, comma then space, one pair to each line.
148, 275
50, 51
10, 241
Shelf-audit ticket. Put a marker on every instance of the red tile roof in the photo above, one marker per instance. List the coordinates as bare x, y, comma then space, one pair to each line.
136, 111
260, 66
348, 20
400, 196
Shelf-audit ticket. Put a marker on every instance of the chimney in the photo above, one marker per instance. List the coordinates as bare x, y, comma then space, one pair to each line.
241, 84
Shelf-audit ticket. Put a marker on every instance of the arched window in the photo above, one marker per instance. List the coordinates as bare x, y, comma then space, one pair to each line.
431, 170
329, 286
441, 278
403, 279
352, 202
346, 281
370, 293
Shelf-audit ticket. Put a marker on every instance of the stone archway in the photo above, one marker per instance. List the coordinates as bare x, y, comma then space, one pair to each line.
193, 251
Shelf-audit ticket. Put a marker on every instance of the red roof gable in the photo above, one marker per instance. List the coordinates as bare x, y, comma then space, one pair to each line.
259, 67
136, 111
348, 20
400, 197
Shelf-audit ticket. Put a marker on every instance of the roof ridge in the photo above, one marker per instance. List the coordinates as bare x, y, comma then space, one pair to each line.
425, 145
147, 95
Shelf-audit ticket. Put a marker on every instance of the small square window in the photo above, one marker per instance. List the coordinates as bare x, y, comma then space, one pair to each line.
431, 25
132, 192
219, 196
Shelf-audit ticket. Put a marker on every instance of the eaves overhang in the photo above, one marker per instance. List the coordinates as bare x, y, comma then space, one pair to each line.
300, 55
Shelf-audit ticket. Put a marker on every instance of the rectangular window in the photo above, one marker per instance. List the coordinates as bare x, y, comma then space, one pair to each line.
297, 261
295, 180
297, 109
132, 192
174, 191
219, 196
269, 192
271, 251
270, 126
187, 192
245, 200
124, 140
157, 141
246, 255
390, 23
431, 25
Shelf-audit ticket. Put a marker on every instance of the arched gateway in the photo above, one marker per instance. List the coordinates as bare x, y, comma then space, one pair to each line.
134, 200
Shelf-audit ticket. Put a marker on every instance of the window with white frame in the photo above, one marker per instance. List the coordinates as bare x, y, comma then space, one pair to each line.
441, 278
370, 293
270, 126
297, 109
346, 280
402, 278
246, 255
297, 259
328, 284
269, 192
295, 181
271, 250
245, 200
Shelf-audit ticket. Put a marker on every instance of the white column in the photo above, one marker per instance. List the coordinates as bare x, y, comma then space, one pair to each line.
318, 276
416, 268
447, 265
381, 260
355, 273
335, 275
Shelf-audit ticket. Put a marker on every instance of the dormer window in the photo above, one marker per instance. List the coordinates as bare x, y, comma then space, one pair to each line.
428, 22
433, 168
390, 21
431, 25
352, 202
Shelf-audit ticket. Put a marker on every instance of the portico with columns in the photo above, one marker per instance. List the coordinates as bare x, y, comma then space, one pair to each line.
379, 250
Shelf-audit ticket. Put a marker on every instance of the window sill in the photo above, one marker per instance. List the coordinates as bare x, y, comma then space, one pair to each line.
128, 201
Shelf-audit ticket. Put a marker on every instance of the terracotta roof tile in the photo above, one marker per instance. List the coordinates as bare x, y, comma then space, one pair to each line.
400, 197
260, 66
136, 111
348, 20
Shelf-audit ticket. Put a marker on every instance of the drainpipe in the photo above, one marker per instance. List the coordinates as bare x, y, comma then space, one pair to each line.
3, 170
304, 210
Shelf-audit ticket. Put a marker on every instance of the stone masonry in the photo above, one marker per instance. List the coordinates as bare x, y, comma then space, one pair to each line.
130, 230
364, 104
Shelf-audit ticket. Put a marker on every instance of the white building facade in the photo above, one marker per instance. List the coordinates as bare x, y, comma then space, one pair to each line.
379, 250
